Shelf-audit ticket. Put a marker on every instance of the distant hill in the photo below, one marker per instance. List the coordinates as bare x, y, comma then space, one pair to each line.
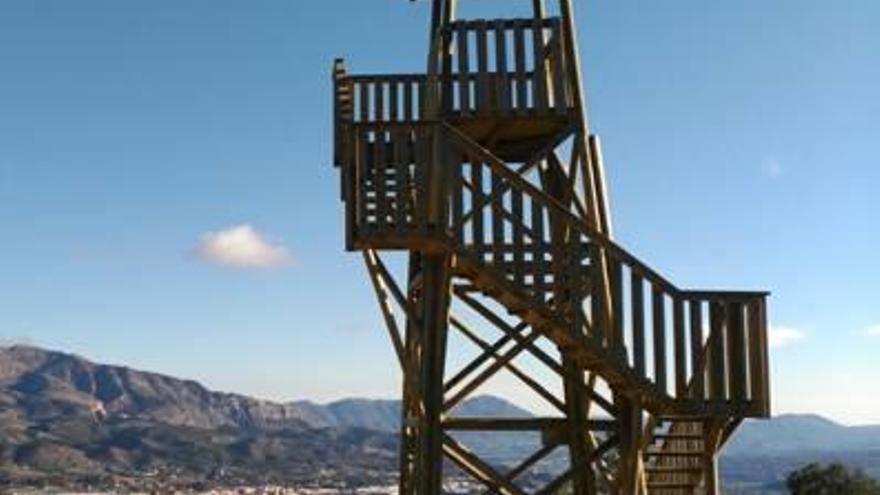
64, 417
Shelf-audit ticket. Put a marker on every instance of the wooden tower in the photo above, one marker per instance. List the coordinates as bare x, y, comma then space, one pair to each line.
483, 172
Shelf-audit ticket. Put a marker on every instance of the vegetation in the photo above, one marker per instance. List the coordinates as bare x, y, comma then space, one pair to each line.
814, 479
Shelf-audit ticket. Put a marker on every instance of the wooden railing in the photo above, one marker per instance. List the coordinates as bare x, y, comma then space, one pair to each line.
495, 68
708, 347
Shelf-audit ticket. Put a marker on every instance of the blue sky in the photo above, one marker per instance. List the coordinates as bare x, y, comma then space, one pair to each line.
740, 142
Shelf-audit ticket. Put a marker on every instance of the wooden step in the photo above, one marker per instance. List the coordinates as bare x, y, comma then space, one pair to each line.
673, 469
673, 453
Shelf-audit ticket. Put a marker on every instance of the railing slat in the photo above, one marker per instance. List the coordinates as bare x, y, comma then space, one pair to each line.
502, 79
477, 206
519, 44
497, 217
637, 298
361, 180
560, 100
464, 92
538, 249
717, 382
679, 346
696, 346
736, 348
379, 179
517, 210
482, 87
658, 317
539, 88
393, 100
617, 341
401, 166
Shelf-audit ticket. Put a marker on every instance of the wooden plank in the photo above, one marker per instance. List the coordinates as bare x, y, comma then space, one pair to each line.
680, 348
464, 91
658, 317
458, 202
637, 299
616, 279
755, 352
361, 176
736, 349
518, 234
379, 179
718, 385
482, 88
539, 87
364, 101
502, 79
409, 102
696, 346
400, 144
538, 249
379, 105
477, 208
519, 44
560, 100
393, 100
497, 218
422, 136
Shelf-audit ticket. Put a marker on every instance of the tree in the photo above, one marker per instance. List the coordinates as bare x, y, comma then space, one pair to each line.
814, 479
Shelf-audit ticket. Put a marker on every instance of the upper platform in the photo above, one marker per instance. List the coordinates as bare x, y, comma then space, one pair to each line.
505, 83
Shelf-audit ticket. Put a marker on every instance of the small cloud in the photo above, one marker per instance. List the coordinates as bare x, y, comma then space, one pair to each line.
241, 246
772, 167
873, 331
785, 336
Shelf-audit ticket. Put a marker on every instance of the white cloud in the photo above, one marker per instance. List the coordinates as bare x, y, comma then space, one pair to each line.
784, 336
772, 167
241, 246
873, 331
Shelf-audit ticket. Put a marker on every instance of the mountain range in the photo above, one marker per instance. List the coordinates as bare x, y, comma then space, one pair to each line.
66, 419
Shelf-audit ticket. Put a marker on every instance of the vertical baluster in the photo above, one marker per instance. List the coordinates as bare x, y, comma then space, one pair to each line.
398, 149
408, 102
517, 207
464, 90
597, 293
696, 326
736, 349
457, 201
638, 322
658, 316
502, 81
364, 101
680, 347
483, 88
519, 45
539, 88
393, 100
477, 206
422, 98
498, 245
717, 386
560, 99
616, 279
420, 149
362, 178
540, 269
379, 96
379, 179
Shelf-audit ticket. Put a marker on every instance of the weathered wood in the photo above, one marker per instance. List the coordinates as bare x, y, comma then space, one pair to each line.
539, 87
502, 79
482, 86
519, 44
637, 298
658, 317
696, 346
679, 348
717, 358
736, 348
464, 91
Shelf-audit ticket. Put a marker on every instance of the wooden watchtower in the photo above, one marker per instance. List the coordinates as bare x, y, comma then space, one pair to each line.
483, 172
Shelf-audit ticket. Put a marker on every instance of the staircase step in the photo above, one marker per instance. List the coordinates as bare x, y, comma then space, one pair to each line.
673, 453
673, 469
677, 436
672, 485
